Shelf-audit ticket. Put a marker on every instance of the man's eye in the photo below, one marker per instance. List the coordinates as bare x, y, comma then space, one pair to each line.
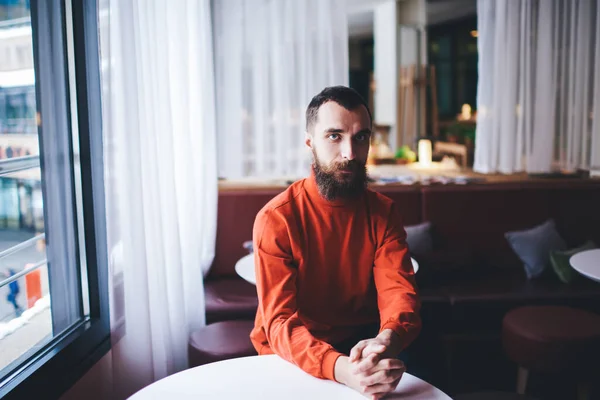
362, 137
334, 136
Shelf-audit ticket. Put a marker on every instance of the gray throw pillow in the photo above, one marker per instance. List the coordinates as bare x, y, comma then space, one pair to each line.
418, 238
248, 245
533, 246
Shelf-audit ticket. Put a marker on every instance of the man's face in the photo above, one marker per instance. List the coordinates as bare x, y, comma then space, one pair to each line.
339, 141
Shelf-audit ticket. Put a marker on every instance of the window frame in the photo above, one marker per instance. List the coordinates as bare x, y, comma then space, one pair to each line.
57, 365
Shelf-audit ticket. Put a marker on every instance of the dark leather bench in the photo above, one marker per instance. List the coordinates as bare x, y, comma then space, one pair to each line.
474, 267
472, 261
227, 295
485, 278
230, 299
470, 280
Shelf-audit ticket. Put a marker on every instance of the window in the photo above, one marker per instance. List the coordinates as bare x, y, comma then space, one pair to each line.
53, 266
453, 51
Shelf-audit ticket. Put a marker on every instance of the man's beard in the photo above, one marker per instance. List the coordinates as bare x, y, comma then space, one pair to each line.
334, 185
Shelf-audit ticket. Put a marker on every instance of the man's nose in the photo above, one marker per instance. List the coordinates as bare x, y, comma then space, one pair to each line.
348, 150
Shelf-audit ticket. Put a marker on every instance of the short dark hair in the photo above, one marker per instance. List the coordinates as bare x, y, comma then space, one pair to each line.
342, 95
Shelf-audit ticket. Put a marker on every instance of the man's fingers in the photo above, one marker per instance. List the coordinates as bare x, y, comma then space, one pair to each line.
366, 347
389, 363
356, 352
382, 377
373, 348
379, 389
367, 363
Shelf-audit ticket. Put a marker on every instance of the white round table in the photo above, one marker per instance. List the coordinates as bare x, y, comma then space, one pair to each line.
587, 263
265, 378
245, 268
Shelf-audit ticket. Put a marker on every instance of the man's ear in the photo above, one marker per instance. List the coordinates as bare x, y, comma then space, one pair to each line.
308, 140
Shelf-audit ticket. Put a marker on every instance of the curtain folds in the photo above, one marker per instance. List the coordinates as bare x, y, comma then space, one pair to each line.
161, 180
539, 86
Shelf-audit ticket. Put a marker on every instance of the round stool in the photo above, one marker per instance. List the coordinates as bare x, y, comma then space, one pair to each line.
220, 341
551, 339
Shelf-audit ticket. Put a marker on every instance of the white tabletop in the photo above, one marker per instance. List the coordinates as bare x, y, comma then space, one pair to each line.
245, 268
265, 378
587, 263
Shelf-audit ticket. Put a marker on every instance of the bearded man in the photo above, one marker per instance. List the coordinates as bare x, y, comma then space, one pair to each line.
336, 287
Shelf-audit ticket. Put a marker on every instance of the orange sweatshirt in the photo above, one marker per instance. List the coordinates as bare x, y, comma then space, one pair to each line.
324, 269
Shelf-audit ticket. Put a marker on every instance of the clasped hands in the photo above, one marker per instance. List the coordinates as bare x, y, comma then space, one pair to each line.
372, 368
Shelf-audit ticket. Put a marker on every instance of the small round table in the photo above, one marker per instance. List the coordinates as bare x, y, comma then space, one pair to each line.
265, 378
587, 263
245, 268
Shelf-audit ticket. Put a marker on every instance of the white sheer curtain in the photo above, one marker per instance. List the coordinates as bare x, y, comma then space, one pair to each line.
161, 178
539, 85
271, 57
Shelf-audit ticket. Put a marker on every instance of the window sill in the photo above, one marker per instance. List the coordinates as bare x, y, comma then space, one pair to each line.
59, 364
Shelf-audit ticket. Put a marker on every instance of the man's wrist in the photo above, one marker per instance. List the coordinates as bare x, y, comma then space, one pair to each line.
328, 364
387, 333
340, 370
394, 340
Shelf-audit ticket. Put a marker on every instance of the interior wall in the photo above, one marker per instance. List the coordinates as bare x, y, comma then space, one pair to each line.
96, 384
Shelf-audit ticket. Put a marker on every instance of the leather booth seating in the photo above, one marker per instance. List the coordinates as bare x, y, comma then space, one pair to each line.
227, 296
220, 341
230, 299
470, 280
474, 267
471, 264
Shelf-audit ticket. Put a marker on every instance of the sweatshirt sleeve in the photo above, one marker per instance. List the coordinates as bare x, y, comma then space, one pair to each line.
276, 286
397, 298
